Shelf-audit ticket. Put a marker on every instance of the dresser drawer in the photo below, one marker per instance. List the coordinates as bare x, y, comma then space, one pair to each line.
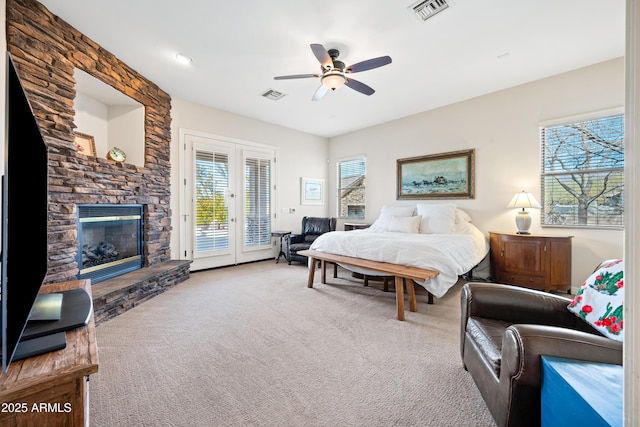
522, 280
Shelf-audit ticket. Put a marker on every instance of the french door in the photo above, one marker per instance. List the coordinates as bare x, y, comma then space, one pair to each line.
230, 209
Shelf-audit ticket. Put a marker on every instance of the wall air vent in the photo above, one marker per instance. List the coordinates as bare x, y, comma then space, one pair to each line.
273, 95
429, 8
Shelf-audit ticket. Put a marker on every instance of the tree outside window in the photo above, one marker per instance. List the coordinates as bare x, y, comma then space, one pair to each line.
583, 173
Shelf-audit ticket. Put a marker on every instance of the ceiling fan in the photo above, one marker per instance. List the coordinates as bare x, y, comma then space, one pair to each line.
335, 73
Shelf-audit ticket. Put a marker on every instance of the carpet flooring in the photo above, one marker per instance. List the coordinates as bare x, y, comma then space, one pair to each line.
251, 345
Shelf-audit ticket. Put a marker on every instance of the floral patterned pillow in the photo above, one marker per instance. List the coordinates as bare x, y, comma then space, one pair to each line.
600, 299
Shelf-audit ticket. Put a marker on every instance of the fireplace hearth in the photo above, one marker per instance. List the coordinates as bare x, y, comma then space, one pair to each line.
110, 240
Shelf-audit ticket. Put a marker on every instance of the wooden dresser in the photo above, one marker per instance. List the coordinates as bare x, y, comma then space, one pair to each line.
532, 261
52, 389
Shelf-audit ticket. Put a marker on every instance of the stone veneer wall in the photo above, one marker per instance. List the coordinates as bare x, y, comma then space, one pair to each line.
46, 50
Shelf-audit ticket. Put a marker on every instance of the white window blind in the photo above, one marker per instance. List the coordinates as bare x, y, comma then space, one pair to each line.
257, 190
212, 214
351, 188
583, 173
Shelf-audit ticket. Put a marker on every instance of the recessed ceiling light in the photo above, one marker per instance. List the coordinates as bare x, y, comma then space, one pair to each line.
183, 59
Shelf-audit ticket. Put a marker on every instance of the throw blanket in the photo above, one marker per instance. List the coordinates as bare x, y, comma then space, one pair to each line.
450, 254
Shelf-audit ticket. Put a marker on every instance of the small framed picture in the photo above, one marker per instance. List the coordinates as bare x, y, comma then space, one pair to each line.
85, 144
311, 191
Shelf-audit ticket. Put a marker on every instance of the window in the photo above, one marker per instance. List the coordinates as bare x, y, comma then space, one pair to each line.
212, 214
257, 208
351, 174
583, 173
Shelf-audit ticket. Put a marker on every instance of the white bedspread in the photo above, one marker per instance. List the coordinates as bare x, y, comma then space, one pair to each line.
451, 254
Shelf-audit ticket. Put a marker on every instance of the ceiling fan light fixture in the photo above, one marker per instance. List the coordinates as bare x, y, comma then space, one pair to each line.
183, 59
333, 79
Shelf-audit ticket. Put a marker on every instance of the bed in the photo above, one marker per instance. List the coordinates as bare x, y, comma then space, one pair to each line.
437, 237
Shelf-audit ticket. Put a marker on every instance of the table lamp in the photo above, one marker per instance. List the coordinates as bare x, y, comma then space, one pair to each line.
523, 200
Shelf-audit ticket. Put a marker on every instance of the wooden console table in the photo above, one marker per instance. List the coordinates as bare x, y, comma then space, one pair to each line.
400, 272
52, 389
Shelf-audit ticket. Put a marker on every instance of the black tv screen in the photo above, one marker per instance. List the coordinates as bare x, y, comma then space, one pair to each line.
24, 214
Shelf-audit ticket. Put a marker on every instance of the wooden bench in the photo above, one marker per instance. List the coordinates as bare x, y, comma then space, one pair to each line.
400, 272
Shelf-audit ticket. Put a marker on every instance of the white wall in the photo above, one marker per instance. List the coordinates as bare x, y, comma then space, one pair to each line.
126, 132
112, 126
503, 128
92, 118
299, 155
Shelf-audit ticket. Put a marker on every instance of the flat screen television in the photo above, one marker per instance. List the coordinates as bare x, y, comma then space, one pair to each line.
24, 214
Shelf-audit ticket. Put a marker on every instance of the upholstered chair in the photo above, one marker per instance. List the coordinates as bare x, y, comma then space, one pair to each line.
312, 227
504, 332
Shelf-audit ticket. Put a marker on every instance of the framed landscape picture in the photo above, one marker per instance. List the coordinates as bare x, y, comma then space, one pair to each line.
437, 176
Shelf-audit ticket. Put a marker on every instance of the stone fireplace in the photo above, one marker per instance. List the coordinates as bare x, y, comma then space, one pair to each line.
46, 51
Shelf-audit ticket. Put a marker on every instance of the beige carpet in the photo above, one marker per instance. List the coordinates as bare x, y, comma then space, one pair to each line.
251, 345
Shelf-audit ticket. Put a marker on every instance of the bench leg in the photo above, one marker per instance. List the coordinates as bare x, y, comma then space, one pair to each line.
323, 265
400, 297
411, 290
312, 271
429, 298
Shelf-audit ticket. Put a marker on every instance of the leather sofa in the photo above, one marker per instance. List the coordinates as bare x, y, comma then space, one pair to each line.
312, 227
504, 331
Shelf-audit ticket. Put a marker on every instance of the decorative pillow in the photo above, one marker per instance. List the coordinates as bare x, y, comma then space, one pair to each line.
600, 299
405, 224
384, 220
437, 218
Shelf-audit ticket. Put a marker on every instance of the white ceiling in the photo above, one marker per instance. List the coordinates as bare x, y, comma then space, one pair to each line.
470, 49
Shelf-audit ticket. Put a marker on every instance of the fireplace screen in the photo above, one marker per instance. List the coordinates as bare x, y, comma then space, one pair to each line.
110, 239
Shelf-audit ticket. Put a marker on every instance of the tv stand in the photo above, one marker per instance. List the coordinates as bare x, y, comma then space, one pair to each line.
52, 388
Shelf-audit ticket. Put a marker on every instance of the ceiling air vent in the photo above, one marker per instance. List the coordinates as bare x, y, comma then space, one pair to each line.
429, 8
273, 95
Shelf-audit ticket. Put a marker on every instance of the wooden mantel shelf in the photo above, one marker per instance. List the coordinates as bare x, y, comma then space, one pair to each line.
55, 382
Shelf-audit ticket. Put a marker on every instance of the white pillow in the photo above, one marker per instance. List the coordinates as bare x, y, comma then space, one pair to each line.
462, 216
437, 218
405, 224
384, 220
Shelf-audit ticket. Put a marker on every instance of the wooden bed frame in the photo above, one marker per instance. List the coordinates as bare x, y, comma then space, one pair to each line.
400, 272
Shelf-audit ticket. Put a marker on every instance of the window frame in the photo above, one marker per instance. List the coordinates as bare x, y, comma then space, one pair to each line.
339, 188
594, 116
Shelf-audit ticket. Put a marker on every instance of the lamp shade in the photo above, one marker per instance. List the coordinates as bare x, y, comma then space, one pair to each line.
523, 200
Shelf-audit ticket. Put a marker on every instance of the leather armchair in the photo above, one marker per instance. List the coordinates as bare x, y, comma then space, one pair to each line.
312, 227
504, 331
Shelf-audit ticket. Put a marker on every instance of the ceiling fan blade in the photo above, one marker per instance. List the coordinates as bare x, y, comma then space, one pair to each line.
322, 90
322, 55
369, 64
296, 76
359, 87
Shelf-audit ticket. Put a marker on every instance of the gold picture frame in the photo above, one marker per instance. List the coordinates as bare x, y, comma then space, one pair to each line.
437, 176
85, 144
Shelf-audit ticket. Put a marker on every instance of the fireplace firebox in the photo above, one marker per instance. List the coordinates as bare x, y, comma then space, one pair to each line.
110, 240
